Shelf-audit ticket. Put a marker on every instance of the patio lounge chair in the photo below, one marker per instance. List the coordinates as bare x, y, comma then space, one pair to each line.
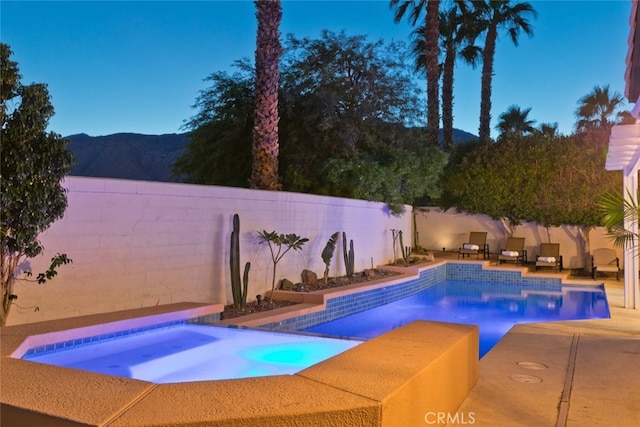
476, 245
549, 256
604, 260
514, 251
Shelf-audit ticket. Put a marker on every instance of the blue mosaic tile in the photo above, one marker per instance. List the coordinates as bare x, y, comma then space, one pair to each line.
66, 345
354, 303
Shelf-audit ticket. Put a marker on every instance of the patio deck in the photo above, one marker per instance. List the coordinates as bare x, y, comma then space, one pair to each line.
572, 373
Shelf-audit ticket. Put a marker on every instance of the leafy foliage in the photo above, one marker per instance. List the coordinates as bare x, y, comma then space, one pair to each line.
221, 132
617, 212
32, 166
597, 109
515, 121
346, 104
550, 180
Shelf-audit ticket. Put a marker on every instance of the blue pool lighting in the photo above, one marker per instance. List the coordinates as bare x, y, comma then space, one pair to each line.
495, 308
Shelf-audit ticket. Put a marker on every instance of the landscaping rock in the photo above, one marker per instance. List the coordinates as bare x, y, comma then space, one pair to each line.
309, 277
286, 285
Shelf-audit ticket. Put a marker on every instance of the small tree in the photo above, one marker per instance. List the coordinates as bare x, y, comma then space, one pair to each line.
32, 166
327, 255
289, 241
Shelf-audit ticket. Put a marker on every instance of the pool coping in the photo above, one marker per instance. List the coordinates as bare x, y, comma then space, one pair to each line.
412, 365
37, 394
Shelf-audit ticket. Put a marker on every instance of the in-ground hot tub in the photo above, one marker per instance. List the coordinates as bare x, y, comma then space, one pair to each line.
394, 379
185, 352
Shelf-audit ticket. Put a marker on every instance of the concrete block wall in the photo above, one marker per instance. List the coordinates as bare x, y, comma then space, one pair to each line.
449, 229
138, 244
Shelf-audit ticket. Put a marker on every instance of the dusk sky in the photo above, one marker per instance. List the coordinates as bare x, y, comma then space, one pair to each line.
119, 66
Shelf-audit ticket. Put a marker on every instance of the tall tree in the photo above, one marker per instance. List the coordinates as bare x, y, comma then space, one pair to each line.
496, 16
597, 109
33, 163
265, 129
549, 129
515, 121
432, 52
220, 134
351, 117
458, 32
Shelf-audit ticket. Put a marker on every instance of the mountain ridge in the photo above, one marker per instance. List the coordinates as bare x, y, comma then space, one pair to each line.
128, 155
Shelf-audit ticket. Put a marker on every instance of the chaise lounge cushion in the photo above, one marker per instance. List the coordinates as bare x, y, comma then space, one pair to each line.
510, 253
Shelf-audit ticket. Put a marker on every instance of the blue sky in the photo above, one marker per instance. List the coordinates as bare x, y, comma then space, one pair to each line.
118, 66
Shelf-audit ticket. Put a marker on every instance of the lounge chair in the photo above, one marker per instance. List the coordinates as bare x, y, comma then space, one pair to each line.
605, 260
476, 245
514, 251
549, 256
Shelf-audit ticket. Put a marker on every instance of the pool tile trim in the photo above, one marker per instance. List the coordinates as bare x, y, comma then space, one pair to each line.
37, 345
327, 305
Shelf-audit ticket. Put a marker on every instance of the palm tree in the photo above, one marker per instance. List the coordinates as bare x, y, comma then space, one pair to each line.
548, 129
515, 121
596, 109
264, 174
616, 210
496, 16
625, 118
458, 33
431, 53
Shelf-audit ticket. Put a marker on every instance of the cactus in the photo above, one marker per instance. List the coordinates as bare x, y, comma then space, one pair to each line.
406, 250
349, 257
239, 293
327, 254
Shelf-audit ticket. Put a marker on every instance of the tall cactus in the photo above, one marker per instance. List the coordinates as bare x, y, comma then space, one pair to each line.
406, 250
239, 294
349, 257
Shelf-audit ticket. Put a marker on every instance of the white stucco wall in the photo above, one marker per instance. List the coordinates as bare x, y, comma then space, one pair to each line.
449, 229
137, 244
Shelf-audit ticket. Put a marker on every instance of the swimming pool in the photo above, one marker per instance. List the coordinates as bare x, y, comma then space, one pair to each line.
189, 352
494, 307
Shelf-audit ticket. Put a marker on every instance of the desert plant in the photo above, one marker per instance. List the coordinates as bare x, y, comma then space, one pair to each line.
239, 294
406, 250
327, 254
394, 234
273, 239
349, 257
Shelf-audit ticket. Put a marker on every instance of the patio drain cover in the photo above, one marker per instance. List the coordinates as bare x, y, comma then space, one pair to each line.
528, 379
532, 365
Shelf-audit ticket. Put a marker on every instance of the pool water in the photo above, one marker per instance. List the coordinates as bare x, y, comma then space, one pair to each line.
494, 307
189, 352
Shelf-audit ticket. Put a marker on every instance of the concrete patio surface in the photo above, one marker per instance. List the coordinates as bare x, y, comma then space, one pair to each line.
573, 373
